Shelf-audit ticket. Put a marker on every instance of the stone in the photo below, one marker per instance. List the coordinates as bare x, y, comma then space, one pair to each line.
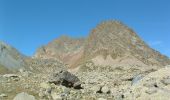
105, 89
11, 76
45, 85
151, 91
101, 99
21, 70
167, 66
136, 79
66, 90
166, 81
65, 78
24, 96
96, 89
55, 96
41, 95
3, 95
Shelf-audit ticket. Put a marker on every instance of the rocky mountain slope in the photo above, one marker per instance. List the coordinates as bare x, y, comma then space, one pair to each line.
64, 48
10, 58
109, 41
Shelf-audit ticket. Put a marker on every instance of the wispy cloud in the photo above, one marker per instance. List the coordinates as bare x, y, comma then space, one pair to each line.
155, 43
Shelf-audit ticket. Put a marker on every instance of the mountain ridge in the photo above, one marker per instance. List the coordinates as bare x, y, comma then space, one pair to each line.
108, 38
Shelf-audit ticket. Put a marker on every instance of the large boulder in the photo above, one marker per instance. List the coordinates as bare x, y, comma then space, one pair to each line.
65, 78
154, 86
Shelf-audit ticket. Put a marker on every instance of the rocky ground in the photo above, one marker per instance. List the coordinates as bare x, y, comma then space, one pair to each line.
119, 84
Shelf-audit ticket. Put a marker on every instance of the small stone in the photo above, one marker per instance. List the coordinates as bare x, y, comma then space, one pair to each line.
101, 99
21, 70
151, 91
24, 96
48, 91
11, 76
3, 95
136, 79
105, 89
41, 95
66, 90
96, 89
55, 96
15, 79
166, 81
168, 66
45, 85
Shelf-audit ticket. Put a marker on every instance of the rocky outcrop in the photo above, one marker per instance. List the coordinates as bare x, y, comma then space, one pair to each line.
10, 58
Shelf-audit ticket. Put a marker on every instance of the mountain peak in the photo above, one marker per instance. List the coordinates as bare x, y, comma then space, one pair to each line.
112, 35
111, 39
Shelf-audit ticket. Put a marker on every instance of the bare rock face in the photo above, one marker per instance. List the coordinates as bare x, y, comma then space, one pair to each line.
65, 78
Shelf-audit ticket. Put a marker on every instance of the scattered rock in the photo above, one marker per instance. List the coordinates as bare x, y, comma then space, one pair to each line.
24, 96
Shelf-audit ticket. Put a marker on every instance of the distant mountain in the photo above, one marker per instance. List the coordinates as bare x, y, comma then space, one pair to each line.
64, 48
110, 43
10, 58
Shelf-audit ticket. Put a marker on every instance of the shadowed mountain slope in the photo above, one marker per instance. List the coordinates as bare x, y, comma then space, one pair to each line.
10, 58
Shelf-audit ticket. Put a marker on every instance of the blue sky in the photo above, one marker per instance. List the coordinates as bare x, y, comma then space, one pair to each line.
28, 24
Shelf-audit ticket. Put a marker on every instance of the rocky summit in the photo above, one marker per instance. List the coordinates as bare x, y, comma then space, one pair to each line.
112, 63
